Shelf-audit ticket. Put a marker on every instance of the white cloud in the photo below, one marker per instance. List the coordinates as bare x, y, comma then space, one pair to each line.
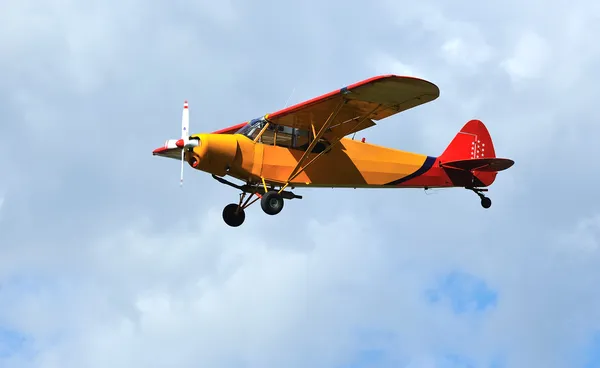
387, 64
121, 270
216, 297
530, 58
466, 52
223, 12
462, 43
584, 240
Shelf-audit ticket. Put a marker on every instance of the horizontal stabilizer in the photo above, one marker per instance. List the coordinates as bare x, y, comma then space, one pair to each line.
479, 164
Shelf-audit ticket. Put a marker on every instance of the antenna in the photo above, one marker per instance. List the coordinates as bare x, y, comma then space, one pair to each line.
288, 100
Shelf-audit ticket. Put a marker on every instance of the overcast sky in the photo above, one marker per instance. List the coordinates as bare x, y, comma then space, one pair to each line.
106, 262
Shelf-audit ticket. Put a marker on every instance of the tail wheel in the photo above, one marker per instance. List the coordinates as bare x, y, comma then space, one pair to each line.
485, 201
271, 202
233, 215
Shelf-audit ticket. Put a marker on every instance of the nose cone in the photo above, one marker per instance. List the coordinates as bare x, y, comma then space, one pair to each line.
196, 151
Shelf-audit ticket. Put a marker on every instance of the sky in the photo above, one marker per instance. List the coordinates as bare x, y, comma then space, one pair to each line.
106, 261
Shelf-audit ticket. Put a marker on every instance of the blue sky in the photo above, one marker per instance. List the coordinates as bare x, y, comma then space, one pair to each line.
105, 261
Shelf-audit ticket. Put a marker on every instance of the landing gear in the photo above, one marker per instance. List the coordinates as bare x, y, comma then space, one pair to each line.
271, 202
485, 201
233, 215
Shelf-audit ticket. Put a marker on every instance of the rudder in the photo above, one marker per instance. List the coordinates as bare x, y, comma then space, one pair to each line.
472, 142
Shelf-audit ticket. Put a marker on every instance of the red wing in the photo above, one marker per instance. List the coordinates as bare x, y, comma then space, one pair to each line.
392, 93
231, 129
169, 149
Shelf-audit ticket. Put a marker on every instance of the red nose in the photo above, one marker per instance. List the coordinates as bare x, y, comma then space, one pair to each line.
179, 143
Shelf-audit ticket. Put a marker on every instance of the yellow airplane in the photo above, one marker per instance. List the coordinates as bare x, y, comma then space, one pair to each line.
306, 145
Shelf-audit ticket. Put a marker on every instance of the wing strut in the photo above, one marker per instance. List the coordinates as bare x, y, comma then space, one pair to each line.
298, 170
295, 172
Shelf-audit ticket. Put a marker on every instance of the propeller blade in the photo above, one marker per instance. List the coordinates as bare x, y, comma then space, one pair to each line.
185, 122
185, 133
182, 159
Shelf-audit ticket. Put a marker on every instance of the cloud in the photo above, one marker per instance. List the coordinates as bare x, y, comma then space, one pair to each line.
457, 50
386, 64
465, 293
530, 58
10, 342
105, 261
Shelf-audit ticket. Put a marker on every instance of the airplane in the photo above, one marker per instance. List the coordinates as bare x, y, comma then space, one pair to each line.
307, 145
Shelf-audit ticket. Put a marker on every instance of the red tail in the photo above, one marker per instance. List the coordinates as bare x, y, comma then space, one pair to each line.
473, 142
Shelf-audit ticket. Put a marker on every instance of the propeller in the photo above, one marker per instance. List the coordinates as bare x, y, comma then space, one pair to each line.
186, 142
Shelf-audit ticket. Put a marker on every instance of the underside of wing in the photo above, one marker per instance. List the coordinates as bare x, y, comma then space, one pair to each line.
357, 105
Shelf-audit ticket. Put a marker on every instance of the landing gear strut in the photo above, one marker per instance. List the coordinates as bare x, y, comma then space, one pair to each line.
234, 214
485, 201
271, 201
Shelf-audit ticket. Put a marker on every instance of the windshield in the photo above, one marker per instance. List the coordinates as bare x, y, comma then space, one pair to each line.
252, 129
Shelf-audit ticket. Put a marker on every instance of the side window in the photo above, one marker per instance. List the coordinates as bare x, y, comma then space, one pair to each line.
267, 137
302, 141
284, 136
301, 138
278, 135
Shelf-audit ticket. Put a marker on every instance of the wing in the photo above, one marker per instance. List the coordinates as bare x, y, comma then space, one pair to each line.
230, 130
359, 105
169, 149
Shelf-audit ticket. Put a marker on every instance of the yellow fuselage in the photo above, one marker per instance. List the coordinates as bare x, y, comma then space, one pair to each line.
349, 163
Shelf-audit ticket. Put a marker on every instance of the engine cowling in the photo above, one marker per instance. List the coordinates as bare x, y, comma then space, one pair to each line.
215, 153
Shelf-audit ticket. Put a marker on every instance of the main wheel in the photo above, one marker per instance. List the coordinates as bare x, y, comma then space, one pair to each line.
272, 202
232, 218
486, 202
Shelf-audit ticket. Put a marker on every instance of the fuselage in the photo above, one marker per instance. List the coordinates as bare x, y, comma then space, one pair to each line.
348, 163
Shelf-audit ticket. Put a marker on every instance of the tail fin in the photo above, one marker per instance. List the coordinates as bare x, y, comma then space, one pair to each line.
472, 144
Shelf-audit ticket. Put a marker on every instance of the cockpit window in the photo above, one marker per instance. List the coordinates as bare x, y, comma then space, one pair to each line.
277, 135
252, 129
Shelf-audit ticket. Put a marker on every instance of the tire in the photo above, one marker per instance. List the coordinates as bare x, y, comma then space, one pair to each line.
232, 218
271, 203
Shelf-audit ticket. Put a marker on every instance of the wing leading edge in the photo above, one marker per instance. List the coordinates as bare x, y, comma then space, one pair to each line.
169, 149
366, 101
370, 100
